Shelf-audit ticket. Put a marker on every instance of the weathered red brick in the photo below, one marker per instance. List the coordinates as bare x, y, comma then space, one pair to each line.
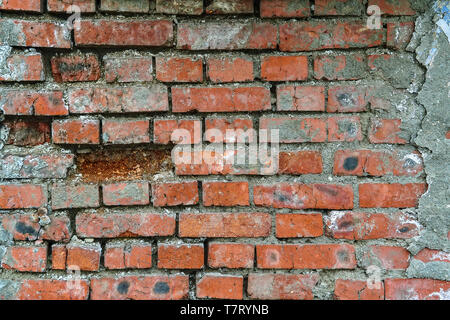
347, 99
128, 69
395, 195
87, 6
298, 225
226, 36
25, 258
416, 289
300, 162
24, 102
59, 257
300, 98
76, 131
230, 255
180, 256
186, 131
124, 224
394, 8
83, 256
282, 286
295, 129
149, 287
175, 194
229, 130
126, 194
307, 36
187, 7
225, 194
138, 33
21, 5
27, 133
179, 69
23, 67
357, 290
285, 8
75, 68
428, 255
304, 196
35, 166
344, 129
218, 286
341, 67
399, 34
129, 131
128, 255
230, 69
338, 7
47, 289
284, 68
311, 256
224, 225
387, 257
24, 33
140, 6
220, 99
386, 131
75, 196
21, 196
229, 6
366, 226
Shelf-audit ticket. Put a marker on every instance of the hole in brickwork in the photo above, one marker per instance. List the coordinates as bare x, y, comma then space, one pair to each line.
121, 165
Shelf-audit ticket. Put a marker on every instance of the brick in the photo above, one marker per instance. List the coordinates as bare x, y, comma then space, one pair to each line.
314, 256
75, 196
338, 7
186, 7
23, 33
224, 225
296, 129
118, 100
24, 102
304, 196
231, 130
226, 36
126, 194
396, 195
394, 8
416, 289
86, 6
130, 131
357, 290
124, 224
75, 68
76, 131
281, 286
26, 227
296, 225
346, 129
180, 256
35, 166
186, 131
300, 162
179, 69
225, 194
230, 69
25, 258
366, 226
59, 257
230, 7
377, 163
22, 196
131, 6
284, 68
347, 99
341, 67
285, 8
399, 34
428, 255
47, 289
21, 5
386, 131
308, 36
149, 287
387, 257
85, 257
22, 67
175, 194
138, 33
300, 98
230, 255
27, 133
220, 99
128, 69
128, 256
219, 286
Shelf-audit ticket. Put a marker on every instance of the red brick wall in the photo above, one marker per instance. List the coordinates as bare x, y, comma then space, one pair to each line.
88, 181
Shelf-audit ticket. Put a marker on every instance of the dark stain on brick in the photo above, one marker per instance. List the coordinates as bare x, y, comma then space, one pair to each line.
327, 189
404, 229
345, 99
351, 163
345, 224
123, 287
343, 256
161, 288
25, 229
123, 165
